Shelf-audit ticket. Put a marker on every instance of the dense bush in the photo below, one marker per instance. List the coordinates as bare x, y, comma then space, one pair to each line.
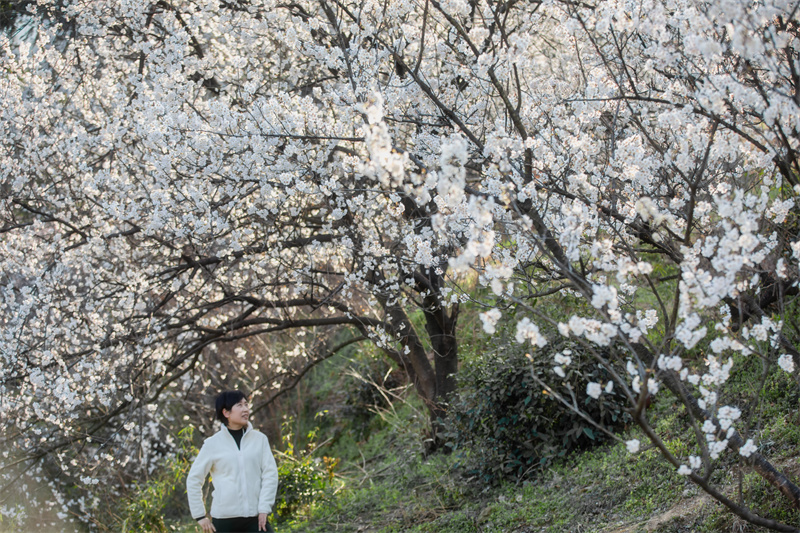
145, 508
507, 426
303, 476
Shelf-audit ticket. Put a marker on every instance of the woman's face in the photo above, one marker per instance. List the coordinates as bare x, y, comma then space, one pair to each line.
238, 415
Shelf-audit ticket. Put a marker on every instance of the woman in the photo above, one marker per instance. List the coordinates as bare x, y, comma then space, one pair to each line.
242, 469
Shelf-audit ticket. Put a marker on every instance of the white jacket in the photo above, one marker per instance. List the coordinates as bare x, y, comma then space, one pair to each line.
245, 480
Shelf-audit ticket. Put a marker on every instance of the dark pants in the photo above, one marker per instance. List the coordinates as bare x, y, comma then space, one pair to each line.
238, 525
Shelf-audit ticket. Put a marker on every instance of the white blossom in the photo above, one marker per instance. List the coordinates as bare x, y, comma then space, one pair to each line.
786, 362
594, 390
563, 358
748, 448
489, 320
528, 331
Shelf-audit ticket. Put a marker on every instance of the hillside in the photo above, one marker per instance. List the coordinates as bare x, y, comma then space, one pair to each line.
371, 474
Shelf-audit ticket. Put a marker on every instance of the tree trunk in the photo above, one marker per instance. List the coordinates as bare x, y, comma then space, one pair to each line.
433, 374
441, 324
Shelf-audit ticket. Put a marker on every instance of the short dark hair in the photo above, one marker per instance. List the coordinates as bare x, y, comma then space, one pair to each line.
226, 400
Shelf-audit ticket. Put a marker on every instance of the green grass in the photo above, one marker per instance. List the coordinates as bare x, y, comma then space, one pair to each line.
398, 490
385, 484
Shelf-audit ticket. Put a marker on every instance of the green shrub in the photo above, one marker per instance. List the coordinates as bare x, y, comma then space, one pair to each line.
303, 477
145, 508
508, 426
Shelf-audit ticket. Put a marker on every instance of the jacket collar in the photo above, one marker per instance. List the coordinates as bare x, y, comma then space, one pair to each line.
247, 429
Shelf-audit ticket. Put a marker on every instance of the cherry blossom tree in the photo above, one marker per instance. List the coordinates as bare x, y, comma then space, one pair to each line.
182, 176
648, 134
179, 178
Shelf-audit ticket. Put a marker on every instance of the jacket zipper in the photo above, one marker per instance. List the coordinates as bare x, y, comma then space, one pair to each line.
242, 476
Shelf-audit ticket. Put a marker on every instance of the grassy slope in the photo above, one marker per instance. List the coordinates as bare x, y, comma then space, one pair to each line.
385, 485
395, 489
392, 488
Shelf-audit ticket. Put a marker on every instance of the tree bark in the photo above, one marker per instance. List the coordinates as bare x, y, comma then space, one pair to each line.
440, 324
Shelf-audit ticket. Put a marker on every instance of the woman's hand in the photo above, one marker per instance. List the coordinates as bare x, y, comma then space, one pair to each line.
262, 521
207, 526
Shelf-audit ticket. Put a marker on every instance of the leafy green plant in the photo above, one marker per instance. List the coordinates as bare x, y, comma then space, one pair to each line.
304, 478
508, 426
144, 511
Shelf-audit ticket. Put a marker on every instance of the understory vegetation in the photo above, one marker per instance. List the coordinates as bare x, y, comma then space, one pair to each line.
386, 484
352, 456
